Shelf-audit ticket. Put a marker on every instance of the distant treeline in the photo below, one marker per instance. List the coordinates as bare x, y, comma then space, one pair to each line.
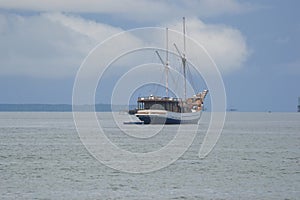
62, 108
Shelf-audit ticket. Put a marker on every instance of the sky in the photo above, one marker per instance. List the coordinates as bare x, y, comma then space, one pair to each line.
255, 45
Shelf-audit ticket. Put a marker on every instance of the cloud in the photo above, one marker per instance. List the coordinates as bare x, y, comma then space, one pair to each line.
52, 44
137, 10
283, 40
225, 45
55, 44
48, 45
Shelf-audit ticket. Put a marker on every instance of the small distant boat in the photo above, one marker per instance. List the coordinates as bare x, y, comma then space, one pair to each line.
170, 110
298, 104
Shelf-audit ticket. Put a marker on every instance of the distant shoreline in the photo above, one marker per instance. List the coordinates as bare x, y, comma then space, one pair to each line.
88, 108
61, 107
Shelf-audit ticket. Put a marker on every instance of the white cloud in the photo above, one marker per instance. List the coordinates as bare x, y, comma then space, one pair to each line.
48, 45
52, 44
139, 10
55, 44
226, 45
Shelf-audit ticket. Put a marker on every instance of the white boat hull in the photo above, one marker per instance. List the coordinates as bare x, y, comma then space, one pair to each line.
167, 117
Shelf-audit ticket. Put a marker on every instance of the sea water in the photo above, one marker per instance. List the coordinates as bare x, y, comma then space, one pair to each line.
256, 157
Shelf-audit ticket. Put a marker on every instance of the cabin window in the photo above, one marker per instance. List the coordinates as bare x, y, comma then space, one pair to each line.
140, 105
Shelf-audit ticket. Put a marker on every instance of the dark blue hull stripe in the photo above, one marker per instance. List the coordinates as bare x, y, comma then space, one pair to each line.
162, 120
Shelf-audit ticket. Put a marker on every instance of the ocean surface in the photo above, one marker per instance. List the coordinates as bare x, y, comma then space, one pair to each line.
256, 157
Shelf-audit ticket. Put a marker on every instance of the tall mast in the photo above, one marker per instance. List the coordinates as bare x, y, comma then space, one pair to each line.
167, 63
184, 45
184, 58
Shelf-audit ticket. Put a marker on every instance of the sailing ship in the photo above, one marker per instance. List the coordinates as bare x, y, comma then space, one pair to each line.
170, 110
